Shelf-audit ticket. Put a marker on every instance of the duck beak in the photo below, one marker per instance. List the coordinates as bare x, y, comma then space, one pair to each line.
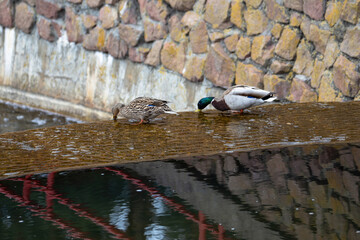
198, 110
114, 117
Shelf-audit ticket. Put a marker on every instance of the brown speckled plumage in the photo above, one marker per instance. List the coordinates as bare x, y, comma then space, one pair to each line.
142, 109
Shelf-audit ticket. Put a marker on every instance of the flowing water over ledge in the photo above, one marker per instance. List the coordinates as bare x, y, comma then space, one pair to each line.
189, 134
283, 171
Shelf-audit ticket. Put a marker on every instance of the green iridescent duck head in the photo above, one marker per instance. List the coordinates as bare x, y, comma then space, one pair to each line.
204, 102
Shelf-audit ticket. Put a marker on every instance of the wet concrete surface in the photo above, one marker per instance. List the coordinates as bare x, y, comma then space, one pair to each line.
188, 134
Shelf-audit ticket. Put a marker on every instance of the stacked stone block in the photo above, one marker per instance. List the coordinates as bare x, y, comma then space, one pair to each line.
303, 50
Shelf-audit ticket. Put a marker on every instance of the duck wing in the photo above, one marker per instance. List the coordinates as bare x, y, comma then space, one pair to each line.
161, 105
150, 105
248, 91
158, 102
149, 100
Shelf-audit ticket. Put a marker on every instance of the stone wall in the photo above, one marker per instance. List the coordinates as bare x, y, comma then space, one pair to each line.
303, 50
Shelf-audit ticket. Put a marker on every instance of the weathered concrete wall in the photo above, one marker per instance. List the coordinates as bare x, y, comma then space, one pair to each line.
303, 50
66, 78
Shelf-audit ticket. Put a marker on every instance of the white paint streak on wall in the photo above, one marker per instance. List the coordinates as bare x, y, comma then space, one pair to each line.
9, 53
95, 73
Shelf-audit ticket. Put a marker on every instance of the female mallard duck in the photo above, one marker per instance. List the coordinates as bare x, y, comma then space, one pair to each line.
142, 109
237, 98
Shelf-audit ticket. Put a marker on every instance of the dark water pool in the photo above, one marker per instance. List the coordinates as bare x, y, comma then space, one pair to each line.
14, 117
302, 192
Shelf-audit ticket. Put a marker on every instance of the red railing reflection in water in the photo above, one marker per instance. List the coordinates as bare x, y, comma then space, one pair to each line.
39, 211
51, 195
203, 227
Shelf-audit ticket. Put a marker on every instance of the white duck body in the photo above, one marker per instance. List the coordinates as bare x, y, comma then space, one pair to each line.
237, 102
240, 97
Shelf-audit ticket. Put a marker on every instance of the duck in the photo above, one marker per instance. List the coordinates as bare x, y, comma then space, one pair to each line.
237, 98
142, 108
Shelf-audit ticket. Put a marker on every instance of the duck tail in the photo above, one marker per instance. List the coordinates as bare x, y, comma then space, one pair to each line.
171, 112
269, 97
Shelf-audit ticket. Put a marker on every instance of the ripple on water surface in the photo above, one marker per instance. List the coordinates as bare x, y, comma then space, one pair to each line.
189, 134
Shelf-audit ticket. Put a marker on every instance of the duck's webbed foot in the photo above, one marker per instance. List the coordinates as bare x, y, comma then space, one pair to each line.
238, 112
141, 121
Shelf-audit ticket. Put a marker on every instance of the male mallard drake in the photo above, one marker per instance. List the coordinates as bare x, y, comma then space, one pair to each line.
142, 108
237, 98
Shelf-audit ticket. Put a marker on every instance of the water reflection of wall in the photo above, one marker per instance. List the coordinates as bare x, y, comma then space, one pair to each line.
307, 192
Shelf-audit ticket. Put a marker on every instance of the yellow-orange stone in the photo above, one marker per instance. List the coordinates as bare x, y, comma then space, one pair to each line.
231, 42
243, 47
332, 51
236, 16
287, 44
333, 13
350, 11
219, 67
304, 63
261, 50
256, 21
301, 92
247, 74
276, 30
194, 69
326, 91
173, 56
89, 21
190, 19
177, 32
253, 3
216, 36
108, 16
278, 85
216, 12
101, 38
319, 68
319, 37
199, 38
295, 19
